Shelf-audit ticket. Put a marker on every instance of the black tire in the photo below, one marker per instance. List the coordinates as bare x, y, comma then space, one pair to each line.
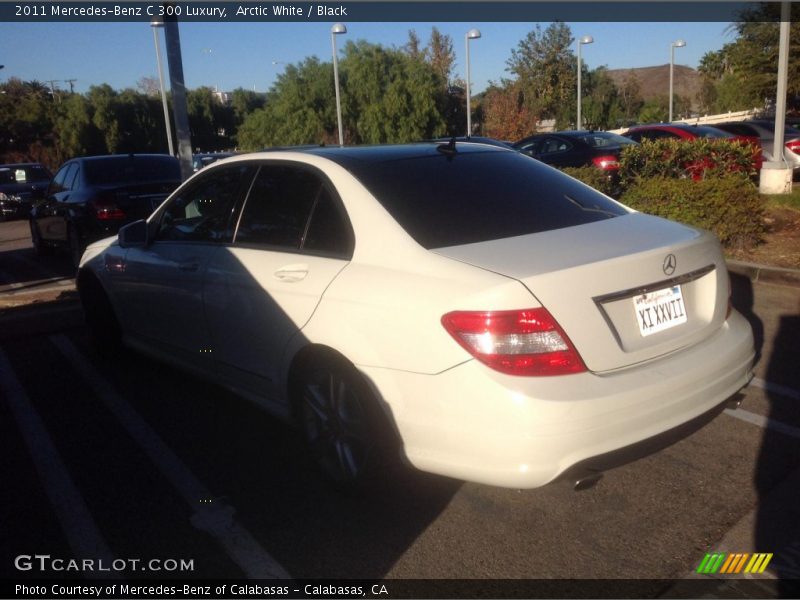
38, 246
101, 320
347, 434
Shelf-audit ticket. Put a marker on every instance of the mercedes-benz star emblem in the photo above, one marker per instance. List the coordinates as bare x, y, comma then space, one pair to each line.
670, 262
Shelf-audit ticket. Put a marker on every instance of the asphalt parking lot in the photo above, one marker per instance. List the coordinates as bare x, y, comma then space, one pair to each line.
128, 458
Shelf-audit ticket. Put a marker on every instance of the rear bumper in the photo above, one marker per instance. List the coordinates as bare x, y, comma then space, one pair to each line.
475, 424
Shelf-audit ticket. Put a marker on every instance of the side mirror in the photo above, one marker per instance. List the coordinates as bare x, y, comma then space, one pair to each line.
134, 234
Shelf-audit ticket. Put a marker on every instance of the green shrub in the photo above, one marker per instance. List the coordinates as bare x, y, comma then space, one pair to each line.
594, 177
728, 206
701, 158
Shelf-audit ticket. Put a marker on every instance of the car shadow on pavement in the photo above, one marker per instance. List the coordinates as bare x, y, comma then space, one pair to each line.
743, 299
259, 465
777, 476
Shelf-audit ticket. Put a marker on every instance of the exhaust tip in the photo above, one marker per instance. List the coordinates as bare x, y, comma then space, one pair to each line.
587, 481
735, 401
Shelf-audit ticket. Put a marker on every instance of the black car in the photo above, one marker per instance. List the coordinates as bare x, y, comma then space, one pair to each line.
575, 148
92, 197
20, 184
206, 158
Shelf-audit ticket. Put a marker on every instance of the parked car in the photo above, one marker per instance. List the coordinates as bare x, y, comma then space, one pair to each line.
92, 197
479, 313
575, 148
206, 158
764, 130
681, 131
20, 185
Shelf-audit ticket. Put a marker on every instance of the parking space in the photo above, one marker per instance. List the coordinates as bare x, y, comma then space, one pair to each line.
128, 457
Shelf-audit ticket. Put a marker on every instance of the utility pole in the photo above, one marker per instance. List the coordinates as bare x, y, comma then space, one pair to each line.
52, 83
71, 83
176, 83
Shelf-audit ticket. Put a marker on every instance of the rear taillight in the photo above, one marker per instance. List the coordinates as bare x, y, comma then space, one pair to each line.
607, 163
517, 342
794, 146
106, 210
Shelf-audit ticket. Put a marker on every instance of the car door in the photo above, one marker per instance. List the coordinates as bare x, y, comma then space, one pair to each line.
292, 239
162, 283
557, 151
50, 213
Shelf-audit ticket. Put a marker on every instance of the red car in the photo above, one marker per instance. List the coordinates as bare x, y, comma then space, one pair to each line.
682, 131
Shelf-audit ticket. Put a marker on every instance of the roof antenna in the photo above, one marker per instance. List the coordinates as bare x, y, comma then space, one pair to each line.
449, 148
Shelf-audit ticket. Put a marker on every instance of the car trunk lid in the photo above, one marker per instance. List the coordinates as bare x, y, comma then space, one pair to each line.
617, 287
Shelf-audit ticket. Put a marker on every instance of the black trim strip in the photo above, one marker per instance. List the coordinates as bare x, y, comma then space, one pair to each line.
638, 291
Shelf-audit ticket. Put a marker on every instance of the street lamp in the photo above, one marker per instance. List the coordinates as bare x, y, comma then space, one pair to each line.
155, 24
337, 29
472, 34
587, 39
672, 46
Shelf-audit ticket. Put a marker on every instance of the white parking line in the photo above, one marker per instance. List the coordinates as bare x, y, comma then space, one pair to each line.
76, 521
215, 518
764, 422
775, 388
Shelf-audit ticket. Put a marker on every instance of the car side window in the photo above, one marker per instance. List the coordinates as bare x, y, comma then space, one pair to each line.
72, 168
278, 207
531, 148
57, 185
202, 213
72, 181
329, 231
552, 145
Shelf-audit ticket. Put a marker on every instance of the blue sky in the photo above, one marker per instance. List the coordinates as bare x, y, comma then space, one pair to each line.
230, 55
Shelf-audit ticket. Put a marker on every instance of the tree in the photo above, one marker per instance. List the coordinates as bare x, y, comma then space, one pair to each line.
601, 107
412, 46
300, 108
390, 97
743, 73
149, 86
545, 68
504, 114
630, 96
102, 99
440, 55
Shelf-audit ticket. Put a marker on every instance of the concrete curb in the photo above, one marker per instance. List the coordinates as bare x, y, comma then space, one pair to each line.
765, 273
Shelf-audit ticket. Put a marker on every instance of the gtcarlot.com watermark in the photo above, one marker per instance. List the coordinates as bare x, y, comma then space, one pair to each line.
45, 563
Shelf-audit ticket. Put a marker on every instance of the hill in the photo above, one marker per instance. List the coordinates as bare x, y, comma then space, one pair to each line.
654, 81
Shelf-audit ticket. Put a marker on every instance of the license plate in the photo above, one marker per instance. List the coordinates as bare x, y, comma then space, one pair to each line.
659, 310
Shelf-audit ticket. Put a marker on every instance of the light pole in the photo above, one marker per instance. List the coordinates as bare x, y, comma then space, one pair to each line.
337, 29
472, 34
587, 39
155, 24
672, 46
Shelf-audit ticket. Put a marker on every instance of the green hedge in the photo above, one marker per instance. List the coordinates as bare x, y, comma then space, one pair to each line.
594, 177
728, 206
687, 159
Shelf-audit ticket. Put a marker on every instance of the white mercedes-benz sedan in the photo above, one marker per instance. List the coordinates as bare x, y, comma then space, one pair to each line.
461, 306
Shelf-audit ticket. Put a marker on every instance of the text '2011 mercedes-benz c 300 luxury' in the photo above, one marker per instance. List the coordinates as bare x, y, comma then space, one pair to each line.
461, 306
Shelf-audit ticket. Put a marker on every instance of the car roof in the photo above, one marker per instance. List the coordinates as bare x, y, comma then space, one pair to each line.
26, 164
118, 156
392, 152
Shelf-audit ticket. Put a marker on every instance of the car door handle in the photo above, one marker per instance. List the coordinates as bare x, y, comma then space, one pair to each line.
291, 273
189, 266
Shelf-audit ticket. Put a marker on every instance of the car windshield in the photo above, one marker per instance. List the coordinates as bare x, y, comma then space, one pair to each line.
132, 169
479, 196
600, 139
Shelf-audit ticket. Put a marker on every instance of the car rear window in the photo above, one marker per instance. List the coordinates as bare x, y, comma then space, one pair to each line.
480, 196
599, 139
710, 132
132, 169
